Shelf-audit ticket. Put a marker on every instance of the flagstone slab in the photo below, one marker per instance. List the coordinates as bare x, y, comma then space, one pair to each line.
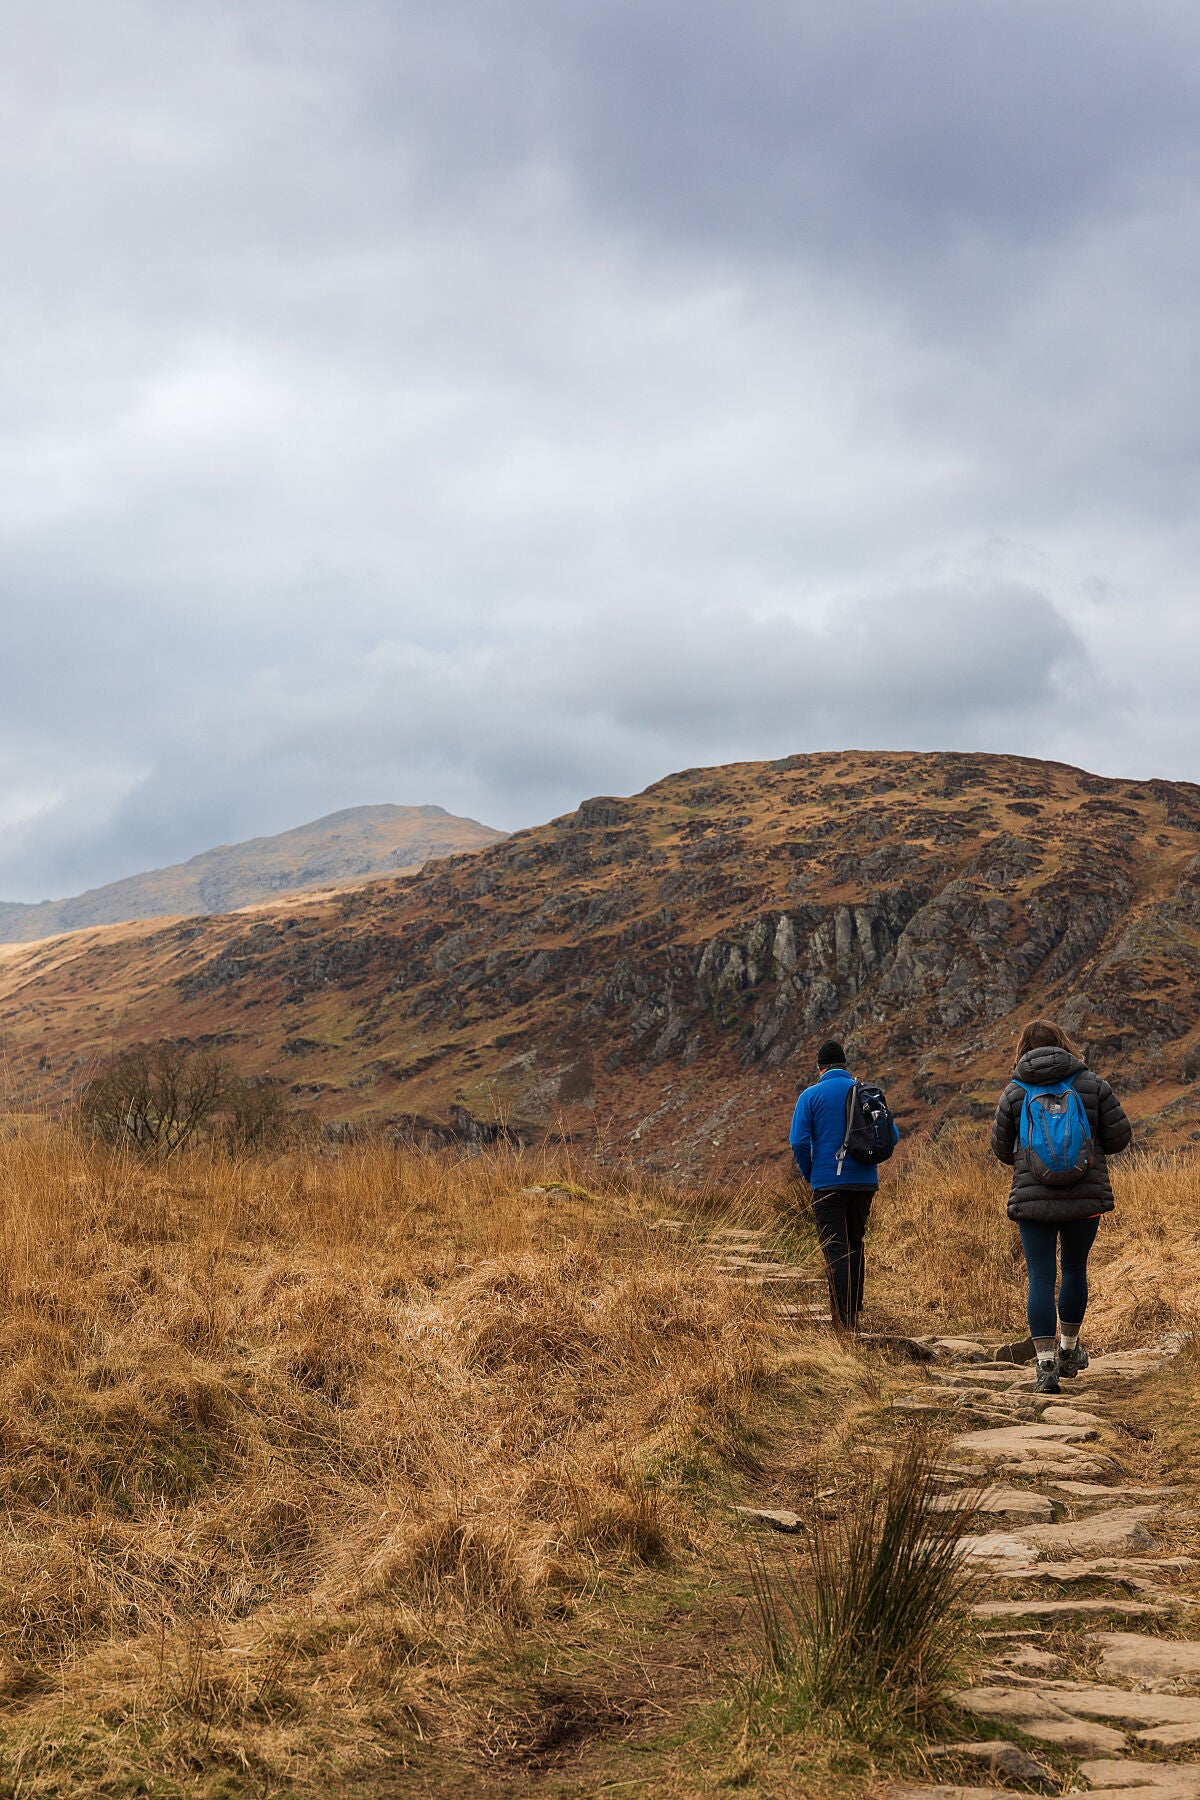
1004, 1758
1014, 1704
1064, 1465
1001, 1547
1039, 1716
1096, 1490
1097, 1701
1121, 1528
1063, 1609
1082, 1737
947, 1793
1023, 1440
1025, 1659
997, 1378
906, 1348
1070, 1415
1127, 1363
1174, 1781
1136, 1574
1129, 1656
1018, 1501
1166, 1737
1159, 1790
965, 1349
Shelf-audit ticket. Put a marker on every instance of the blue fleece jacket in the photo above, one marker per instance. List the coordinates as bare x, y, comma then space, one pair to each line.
818, 1130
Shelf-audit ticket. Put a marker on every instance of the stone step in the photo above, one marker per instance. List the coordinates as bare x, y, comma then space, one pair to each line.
1069, 1463
902, 1791
1023, 1440
1118, 1531
1131, 1779
1136, 1712
1064, 1609
741, 1267
1095, 1490
1135, 1574
1128, 1656
1003, 1758
797, 1282
1018, 1501
1036, 1714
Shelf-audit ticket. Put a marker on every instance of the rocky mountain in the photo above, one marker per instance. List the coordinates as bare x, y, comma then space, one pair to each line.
341, 848
656, 972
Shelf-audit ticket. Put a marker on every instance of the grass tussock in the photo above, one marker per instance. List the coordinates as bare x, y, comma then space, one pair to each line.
875, 1625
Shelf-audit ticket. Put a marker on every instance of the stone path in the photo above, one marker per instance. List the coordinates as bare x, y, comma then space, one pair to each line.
742, 1255
1075, 1523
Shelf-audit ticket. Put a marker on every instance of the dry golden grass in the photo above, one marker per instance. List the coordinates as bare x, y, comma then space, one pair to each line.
285, 1439
310, 1459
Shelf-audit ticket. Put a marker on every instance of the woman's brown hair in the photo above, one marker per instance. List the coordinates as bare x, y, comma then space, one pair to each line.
1044, 1034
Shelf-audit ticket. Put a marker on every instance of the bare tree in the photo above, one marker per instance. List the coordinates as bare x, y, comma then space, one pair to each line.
155, 1097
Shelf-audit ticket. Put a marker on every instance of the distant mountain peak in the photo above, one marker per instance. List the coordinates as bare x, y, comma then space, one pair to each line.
344, 848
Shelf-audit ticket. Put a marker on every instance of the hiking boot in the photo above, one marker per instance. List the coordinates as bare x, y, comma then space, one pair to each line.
1047, 1378
1024, 1352
1071, 1361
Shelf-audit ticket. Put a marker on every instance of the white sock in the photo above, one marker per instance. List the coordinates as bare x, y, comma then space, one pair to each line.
1069, 1339
1046, 1356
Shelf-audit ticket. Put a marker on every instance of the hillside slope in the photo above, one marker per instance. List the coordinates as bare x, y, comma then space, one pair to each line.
342, 847
659, 970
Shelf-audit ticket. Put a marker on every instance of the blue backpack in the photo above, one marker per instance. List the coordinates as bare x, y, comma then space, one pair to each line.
1054, 1133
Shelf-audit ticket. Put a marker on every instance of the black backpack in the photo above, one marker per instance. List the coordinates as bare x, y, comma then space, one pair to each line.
870, 1129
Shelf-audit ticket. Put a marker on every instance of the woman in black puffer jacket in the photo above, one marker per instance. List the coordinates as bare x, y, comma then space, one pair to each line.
1054, 1220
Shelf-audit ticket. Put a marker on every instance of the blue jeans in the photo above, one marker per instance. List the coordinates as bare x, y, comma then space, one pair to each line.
1040, 1242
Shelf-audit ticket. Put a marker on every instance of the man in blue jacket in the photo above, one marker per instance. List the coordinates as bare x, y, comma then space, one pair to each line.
842, 1190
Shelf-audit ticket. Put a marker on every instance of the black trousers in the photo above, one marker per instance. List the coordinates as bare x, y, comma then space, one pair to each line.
841, 1215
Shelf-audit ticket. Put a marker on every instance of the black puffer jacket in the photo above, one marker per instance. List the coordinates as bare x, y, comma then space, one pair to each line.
1111, 1132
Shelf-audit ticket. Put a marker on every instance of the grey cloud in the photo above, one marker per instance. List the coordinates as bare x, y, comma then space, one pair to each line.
495, 403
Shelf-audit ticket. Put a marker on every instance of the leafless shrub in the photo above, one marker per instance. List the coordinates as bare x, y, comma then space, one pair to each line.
161, 1097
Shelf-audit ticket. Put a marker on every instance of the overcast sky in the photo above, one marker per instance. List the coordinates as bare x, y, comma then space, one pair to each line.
497, 402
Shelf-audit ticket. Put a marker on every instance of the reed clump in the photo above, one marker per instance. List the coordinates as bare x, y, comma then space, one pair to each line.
874, 1623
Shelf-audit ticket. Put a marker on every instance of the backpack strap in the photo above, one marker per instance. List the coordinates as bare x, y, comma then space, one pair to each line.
851, 1095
